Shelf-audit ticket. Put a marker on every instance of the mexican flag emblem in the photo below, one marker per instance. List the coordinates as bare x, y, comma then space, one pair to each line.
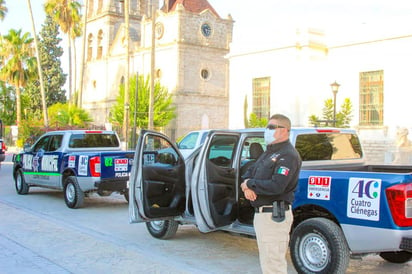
283, 170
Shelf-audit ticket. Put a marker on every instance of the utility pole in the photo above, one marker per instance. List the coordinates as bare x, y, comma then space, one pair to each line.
126, 82
152, 66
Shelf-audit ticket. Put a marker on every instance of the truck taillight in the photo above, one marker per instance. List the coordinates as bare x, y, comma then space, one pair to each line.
95, 169
400, 203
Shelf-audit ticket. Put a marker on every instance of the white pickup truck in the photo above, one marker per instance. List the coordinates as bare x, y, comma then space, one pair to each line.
343, 207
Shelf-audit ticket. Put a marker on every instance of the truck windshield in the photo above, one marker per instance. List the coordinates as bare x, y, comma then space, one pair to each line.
189, 142
93, 140
328, 146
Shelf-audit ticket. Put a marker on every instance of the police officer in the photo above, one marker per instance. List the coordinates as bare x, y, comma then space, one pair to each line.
270, 186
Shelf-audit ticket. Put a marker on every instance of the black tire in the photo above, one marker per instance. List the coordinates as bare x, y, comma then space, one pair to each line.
164, 229
73, 195
318, 245
22, 187
397, 257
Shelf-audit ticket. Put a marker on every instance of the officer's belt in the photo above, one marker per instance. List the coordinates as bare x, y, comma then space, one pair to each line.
265, 209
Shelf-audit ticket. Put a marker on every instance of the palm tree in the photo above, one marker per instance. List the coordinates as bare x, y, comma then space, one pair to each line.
43, 96
66, 13
3, 9
18, 63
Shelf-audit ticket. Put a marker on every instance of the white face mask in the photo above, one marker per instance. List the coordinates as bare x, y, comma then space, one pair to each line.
269, 136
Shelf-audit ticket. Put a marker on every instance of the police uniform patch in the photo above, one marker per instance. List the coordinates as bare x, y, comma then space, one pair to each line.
274, 157
283, 170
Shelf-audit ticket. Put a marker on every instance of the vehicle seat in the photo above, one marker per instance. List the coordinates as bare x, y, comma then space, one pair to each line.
246, 211
255, 150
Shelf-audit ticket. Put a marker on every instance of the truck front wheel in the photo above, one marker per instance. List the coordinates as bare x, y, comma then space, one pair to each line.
396, 257
21, 186
319, 246
73, 195
162, 229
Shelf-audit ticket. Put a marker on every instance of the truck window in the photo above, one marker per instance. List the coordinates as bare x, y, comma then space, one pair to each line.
189, 142
56, 142
42, 144
157, 150
328, 146
222, 149
89, 140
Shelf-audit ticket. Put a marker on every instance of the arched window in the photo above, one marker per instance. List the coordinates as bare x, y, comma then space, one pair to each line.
100, 44
90, 47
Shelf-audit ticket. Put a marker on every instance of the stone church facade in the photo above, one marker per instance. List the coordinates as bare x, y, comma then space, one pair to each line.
191, 42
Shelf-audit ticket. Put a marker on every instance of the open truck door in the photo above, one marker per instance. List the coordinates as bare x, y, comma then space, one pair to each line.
157, 181
214, 181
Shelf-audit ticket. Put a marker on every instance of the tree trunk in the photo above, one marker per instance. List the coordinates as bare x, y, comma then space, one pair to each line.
69, 97
18, 106
43, 95
74, 72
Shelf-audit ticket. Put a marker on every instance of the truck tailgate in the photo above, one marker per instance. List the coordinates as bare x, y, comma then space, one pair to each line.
116, 165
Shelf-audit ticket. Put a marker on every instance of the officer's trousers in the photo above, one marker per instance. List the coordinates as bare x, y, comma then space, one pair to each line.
273, 240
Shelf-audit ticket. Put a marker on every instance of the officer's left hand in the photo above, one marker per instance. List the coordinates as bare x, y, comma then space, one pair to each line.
250, 194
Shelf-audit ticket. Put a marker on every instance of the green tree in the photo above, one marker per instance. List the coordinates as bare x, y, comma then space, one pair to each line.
29, 131
245, 119
3, 9
63, 115
18, 63
164, 111
66, 13
343, 117
53, 76
7, 103
255, 122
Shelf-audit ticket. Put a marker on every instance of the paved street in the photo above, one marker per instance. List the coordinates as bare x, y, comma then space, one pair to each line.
39, 234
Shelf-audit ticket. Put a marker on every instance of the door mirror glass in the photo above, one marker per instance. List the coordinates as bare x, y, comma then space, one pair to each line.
157, 150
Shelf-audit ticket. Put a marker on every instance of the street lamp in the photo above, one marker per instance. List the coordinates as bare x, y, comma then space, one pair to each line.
335, 87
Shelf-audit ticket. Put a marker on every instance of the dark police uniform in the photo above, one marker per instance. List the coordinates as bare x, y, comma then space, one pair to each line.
274, 177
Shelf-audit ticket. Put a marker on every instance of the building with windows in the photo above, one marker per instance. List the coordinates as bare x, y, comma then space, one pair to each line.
190, 44
213, 84
295, 79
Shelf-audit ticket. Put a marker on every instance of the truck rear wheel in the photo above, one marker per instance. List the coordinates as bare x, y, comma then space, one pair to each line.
165, 229
399, 257
319, 246
21, 186
73, 195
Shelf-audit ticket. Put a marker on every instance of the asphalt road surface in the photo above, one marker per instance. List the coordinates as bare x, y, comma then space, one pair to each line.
39, 234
